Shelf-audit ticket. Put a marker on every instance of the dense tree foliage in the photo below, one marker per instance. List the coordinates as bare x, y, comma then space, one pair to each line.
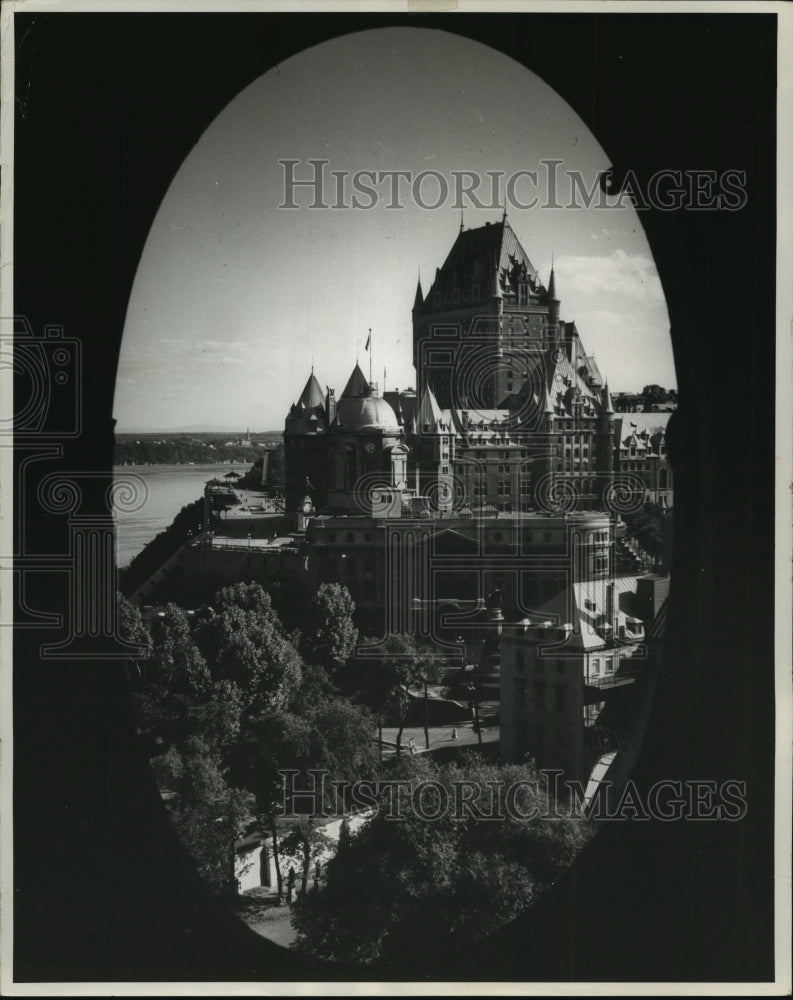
385, 677
226, 705
329, 634
245, 644
209, 814
399, 886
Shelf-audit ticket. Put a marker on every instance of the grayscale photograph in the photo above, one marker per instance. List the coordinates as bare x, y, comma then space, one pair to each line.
394, 513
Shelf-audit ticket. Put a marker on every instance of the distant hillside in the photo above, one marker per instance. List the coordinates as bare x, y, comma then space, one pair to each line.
196, 449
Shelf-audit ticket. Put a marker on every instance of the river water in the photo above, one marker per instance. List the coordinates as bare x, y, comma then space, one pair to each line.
156, 494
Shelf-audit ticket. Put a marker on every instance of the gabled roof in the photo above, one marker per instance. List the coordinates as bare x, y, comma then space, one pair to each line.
563, 382
357, 384
652, 424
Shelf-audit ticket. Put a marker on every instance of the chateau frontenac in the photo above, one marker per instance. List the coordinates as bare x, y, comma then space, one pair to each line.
489, 510
510, 414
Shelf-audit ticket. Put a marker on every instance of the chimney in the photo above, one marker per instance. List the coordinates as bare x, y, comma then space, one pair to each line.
610, 610
330, 405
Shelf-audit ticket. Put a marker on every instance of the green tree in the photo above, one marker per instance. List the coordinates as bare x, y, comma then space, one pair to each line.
244, 642
131, 626
334, 736
248, 596
387, 680
652, 395
209, 815
305, 839
274, 741
176, 663
401, 886
329, 634
170, 683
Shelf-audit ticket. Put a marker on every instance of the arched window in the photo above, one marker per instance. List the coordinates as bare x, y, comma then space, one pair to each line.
663, 477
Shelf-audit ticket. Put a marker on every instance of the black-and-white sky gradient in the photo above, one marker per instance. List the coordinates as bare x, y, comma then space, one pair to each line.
235, 295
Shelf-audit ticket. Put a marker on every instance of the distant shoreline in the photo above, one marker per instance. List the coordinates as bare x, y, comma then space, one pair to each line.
186, 465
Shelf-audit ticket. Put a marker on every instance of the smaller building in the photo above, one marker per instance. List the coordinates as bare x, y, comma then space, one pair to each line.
640, 451
569, 675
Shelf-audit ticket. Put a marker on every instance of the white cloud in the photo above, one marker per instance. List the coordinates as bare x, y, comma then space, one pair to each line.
632, 276
220, 345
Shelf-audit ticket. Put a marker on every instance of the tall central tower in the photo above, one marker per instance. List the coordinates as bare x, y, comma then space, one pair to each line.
483, 320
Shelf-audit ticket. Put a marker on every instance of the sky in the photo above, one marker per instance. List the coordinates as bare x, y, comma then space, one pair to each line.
236, 296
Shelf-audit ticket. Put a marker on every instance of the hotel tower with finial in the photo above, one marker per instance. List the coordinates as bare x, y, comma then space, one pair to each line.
510, 415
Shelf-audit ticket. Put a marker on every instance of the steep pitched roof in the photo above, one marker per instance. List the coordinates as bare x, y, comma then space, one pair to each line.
357, 384
477, 252
418, 302
563, 381
653, 424
311, 395
429, 416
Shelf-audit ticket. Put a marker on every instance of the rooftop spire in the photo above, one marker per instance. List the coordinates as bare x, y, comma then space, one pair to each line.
606, 400
461, 218
552, 282
418, 302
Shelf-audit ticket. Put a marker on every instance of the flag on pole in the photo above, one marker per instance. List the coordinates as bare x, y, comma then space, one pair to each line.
368, 341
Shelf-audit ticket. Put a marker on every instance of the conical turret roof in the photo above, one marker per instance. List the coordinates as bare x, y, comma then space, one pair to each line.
552, 285
312, 394
357, 384
429, 415
605, 400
